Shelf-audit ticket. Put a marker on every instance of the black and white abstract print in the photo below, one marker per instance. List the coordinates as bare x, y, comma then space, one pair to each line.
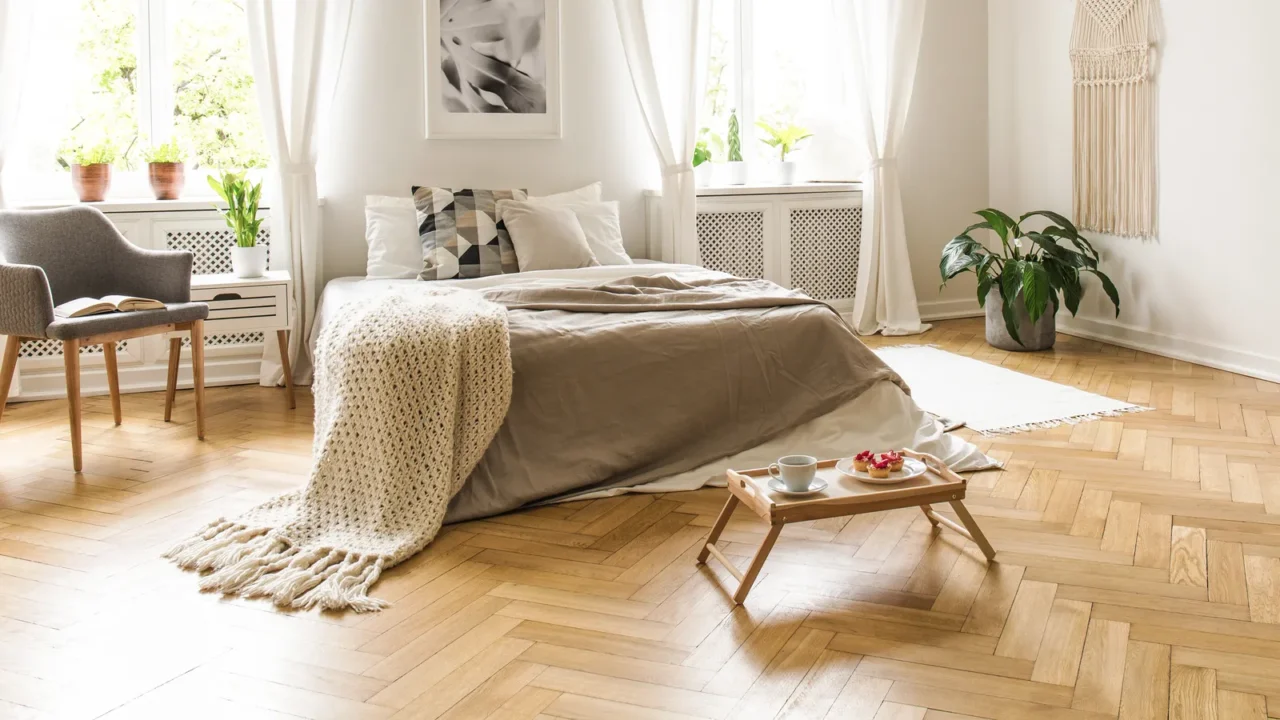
493, 57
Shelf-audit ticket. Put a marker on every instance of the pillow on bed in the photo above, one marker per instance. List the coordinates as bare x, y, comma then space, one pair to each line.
586, 193
599, 221
546, 237
391, 230
461, 234
600, 224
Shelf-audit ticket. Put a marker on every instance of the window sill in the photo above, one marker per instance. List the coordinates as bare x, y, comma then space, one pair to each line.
807, 188
139, 205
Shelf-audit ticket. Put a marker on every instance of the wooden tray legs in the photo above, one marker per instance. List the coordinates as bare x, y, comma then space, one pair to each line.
968, 529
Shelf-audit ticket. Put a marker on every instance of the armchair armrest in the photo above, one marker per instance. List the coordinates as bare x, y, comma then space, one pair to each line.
164, 275
26, 305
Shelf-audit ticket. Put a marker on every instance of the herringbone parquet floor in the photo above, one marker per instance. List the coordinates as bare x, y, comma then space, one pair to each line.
1138, 577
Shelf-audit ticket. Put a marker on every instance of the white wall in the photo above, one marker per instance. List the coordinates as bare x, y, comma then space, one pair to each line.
943, 158
1204, 289
377, 144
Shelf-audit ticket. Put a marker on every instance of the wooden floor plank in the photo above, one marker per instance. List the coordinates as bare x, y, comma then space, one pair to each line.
1137, 577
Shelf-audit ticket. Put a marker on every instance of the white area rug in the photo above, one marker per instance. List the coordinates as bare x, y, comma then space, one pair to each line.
990, 399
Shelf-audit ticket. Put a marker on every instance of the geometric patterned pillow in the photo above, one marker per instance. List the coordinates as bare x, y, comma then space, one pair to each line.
460, 233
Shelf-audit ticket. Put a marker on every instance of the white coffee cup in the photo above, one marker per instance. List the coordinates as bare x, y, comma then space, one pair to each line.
795, 471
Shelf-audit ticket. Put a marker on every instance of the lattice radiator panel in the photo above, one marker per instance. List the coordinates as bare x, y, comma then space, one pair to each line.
248, 338
212, 248
732, 242
824, 251
53, 348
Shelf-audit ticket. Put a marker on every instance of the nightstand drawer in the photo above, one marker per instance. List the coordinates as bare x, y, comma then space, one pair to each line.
244, 307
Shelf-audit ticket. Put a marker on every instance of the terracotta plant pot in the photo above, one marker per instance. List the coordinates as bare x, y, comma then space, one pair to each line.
91, 182
167, 179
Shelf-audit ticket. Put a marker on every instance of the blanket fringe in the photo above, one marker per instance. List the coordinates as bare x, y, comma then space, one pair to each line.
258, 562
1050, 424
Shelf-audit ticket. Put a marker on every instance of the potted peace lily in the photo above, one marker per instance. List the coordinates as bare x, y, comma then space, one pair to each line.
1020, 285
784, 137
248, 258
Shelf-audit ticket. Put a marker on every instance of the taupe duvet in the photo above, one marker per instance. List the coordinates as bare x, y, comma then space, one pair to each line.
642, 378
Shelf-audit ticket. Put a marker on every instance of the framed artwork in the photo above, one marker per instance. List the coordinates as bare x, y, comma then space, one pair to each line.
492, 68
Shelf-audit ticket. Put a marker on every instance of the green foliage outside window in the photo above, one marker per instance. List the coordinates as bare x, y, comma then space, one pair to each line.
214, 114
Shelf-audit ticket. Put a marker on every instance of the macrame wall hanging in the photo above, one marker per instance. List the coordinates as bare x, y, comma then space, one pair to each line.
1115, 131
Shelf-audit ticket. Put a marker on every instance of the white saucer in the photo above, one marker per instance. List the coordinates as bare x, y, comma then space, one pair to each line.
818, 486
910, 468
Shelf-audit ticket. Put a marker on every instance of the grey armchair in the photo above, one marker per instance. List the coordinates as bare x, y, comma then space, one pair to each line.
48, 257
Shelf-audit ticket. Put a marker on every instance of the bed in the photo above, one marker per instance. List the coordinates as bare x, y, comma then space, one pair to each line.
657, 399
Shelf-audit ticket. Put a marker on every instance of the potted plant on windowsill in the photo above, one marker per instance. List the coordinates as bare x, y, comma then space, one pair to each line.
165, 170
248, 258
702, 160
1020, 285
91, 170
735, 169
784, 137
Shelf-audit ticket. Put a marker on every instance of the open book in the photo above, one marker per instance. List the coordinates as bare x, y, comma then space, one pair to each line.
111, 303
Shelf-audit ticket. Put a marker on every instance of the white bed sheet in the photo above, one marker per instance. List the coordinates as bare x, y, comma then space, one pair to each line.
881, 418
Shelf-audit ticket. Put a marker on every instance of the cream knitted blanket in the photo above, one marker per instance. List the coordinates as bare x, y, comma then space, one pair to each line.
410, 389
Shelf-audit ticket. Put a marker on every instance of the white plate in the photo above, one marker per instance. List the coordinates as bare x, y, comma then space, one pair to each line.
910, 468
818, 486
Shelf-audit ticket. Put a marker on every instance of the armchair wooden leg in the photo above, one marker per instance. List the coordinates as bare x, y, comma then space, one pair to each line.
282, 337
171, 387
71, 360
197, 372
113, 378
8, 368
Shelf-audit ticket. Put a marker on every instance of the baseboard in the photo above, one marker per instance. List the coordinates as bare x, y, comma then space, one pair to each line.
950, 309
50, 385
1219, 357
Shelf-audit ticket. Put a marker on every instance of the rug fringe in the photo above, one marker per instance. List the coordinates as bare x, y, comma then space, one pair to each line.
1050, 424
258, 562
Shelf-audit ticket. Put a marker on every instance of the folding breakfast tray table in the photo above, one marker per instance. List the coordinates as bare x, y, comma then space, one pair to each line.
842, 497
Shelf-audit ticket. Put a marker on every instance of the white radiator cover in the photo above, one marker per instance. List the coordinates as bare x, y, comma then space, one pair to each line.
143, 362
805, 237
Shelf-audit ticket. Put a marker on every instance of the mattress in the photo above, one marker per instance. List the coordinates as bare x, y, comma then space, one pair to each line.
880, 418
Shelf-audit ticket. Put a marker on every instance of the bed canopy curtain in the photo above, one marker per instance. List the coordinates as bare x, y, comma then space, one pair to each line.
880, 52
296, 47
662, 40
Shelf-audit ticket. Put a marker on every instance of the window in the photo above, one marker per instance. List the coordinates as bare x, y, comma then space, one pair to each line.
130, 74
776, 64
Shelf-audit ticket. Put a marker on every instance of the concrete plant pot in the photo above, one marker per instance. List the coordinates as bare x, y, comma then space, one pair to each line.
1039, 335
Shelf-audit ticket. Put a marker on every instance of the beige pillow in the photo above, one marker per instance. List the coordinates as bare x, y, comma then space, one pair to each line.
545, 237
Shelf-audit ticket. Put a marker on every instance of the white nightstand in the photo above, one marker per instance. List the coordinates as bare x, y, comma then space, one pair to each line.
239, 305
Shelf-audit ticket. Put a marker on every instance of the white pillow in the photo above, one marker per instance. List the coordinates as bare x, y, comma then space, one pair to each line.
600, 224
545, 237
391, 230
587, 193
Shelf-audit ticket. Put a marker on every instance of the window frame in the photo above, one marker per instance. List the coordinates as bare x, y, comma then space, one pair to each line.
155, 100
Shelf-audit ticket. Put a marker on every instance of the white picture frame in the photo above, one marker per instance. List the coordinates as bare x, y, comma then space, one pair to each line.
443, 123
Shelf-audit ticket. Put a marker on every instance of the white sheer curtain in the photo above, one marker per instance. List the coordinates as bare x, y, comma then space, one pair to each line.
662, 40
296, 47
15, 50
882, 45
16, 29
